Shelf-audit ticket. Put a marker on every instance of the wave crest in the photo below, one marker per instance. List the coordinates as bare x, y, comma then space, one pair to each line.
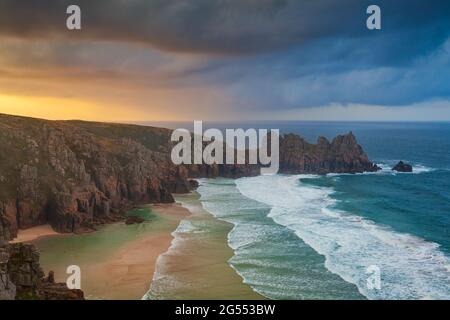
411, 268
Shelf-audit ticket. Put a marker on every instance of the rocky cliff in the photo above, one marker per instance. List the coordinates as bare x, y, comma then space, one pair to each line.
21, 277
342, 155
75, 174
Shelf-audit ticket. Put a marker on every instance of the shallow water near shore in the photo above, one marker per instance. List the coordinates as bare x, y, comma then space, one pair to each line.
196, 264
192, 262
270, 258
93, 251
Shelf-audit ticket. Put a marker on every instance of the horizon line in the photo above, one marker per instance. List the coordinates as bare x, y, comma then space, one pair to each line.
228, 120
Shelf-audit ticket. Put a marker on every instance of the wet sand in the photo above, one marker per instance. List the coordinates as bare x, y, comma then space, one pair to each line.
35, 233
196, 265
128, 273
118, 261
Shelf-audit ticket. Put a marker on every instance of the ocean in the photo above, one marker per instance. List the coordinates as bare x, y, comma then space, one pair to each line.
317, 237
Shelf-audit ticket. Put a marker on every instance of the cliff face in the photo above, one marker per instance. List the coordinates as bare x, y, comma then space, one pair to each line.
21, 276
342, 155
7, 287
75, 174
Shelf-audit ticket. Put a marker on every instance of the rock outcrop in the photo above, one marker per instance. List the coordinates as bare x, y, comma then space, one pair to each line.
75, 174
7, 287
24, 269
21, 276
402, 167
48, 289
342, 155
134, 220
193, 184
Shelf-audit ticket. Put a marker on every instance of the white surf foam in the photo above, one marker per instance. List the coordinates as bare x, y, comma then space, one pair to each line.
269, 259
421, 169
386, 169
411, 268
163, 281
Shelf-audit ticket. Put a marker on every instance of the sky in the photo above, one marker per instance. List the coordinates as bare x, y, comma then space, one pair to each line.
162, 60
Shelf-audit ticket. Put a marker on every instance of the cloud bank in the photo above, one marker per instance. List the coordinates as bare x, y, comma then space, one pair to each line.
229, 56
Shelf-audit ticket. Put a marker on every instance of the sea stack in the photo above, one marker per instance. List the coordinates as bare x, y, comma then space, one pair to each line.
402, 167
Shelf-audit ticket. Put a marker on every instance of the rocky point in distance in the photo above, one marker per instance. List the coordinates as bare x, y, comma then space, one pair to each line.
75, 175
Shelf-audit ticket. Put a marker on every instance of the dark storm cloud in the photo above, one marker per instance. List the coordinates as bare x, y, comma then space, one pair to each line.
219, 26
260, 54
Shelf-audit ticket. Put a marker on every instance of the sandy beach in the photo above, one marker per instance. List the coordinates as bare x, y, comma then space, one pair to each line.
127, 274
118, 261
196, 266
35, 233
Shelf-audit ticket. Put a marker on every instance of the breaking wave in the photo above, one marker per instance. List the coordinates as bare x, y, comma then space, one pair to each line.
411, 268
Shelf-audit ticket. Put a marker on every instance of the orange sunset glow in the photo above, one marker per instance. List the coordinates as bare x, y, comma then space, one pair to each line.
65, 109
184, 62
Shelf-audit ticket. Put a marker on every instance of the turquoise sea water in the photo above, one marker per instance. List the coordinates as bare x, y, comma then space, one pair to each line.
314, 237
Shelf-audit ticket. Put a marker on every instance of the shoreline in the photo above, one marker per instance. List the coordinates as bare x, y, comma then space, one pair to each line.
125, 262
196, 266
117, 261
128, 273
35, 233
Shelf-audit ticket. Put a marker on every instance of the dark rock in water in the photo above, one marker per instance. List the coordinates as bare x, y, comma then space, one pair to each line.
402, 167
134, 220
194, 184
22, 278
